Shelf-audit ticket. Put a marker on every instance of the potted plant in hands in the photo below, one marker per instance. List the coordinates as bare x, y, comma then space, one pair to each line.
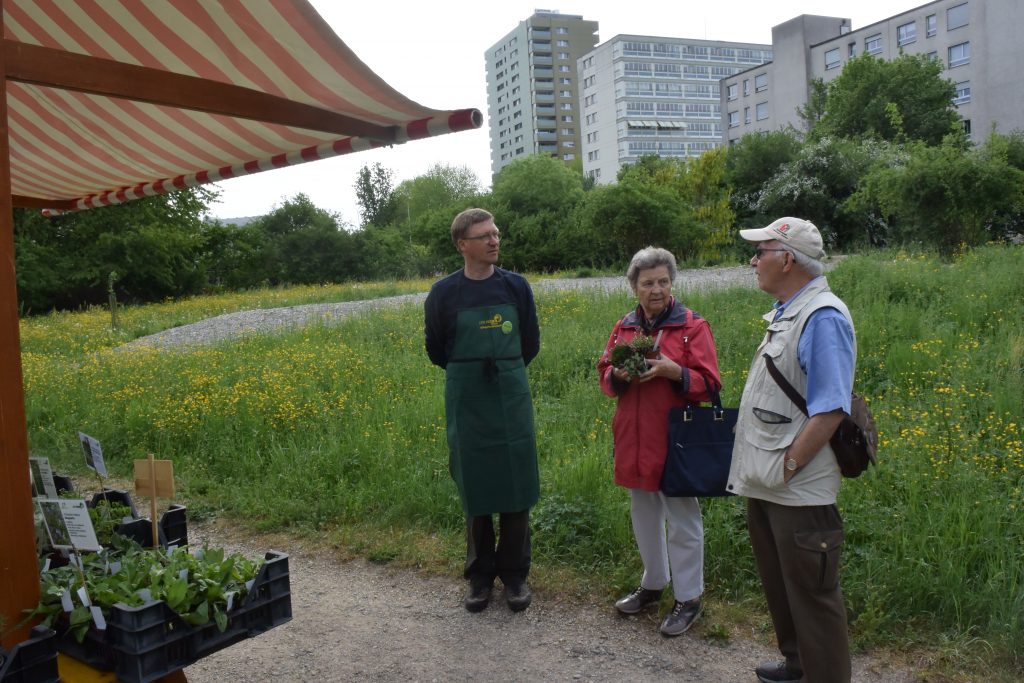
632, 356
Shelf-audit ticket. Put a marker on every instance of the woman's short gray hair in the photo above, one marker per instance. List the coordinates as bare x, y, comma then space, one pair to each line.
811, 266
650, 257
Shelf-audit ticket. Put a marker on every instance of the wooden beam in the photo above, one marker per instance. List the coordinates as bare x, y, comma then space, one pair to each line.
19, 569
82, 73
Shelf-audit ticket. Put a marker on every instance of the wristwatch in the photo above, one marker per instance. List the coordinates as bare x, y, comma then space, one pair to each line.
791, 464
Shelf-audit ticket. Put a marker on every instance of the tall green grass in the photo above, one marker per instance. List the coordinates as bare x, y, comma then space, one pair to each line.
339, 431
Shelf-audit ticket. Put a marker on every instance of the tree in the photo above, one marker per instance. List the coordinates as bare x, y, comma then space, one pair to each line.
751, 162
816, 184
903, 99
534, 199
154, 244
946, 196
812, 112
375, 195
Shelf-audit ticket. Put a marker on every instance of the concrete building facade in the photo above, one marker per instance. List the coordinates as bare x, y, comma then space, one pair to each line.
649, 95
533, 89
978, 42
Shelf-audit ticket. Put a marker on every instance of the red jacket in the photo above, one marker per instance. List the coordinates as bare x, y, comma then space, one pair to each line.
640, 426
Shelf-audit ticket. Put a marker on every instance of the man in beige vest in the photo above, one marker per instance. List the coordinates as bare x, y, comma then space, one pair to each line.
782, 461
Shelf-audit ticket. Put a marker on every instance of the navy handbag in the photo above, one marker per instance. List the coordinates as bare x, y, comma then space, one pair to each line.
700, 440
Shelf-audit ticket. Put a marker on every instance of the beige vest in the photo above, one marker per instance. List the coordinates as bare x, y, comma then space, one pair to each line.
769, 421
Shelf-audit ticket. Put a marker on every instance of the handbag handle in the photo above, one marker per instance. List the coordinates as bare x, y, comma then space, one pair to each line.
784, 384
716, 403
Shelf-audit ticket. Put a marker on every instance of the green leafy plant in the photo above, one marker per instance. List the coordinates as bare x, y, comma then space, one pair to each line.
197, 586
106, 517
632, 355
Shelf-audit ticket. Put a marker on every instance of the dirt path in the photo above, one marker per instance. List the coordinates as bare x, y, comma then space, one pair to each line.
359, 621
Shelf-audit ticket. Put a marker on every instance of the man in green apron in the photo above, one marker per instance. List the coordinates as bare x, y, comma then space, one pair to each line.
481, 327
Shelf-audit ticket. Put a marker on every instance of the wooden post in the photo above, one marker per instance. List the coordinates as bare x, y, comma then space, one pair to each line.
19, 578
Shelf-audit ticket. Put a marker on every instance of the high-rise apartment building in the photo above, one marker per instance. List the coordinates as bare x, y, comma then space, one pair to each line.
533, 90
978, 42
646, 95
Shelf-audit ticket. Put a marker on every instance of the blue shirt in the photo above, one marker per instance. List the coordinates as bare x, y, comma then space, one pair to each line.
826, 354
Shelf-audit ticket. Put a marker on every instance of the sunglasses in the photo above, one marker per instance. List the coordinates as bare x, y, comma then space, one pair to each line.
760, 251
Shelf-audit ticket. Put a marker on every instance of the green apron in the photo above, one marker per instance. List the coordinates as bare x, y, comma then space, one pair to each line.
491, 442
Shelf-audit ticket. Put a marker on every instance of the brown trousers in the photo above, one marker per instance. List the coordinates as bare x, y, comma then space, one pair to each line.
797, 550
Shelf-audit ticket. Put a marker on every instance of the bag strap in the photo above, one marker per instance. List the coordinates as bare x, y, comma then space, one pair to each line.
784, 384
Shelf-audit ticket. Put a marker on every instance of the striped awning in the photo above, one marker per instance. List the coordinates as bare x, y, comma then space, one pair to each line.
112, 100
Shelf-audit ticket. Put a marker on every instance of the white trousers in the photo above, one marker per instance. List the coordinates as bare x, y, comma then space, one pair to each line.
682, 550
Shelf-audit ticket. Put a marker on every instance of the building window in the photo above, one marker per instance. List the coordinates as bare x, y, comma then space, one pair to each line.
963, 92
931, 25
873, 44
746, 114
956, 17
568, 131
568, 157
565, 93
907, 33
562, 43
762, 111
967, 127
932, 55
852, 51
733, 91
562, 30
563, 55
567, 118
760, 82
734, 119
832, 59
565, 81
959, 55
565, 68
746, 87
566, 106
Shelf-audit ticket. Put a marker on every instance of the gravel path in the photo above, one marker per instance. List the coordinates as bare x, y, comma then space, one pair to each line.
353, 620
233, 325
356, 621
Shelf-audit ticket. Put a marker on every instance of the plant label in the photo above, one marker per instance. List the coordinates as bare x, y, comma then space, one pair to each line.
42, 478
65, 601
93, 454
67, 524
97, 617
83, 595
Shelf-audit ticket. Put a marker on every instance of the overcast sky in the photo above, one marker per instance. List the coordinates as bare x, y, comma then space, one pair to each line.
433, 53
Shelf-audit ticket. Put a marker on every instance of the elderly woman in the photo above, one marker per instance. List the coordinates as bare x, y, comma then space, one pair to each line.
684, 370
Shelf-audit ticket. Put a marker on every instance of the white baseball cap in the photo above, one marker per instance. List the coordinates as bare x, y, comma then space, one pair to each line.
795, 233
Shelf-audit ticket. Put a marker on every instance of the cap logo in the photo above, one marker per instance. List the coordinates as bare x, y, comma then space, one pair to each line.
782, 229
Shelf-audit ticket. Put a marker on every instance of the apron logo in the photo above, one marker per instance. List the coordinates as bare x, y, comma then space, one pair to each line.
493, 323
506, 327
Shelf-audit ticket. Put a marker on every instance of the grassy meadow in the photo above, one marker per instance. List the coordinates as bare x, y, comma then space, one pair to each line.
338, 432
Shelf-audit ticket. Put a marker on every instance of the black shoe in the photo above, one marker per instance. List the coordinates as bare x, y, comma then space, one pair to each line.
640, 597
777, 672
479, 594
518, 595
681, 618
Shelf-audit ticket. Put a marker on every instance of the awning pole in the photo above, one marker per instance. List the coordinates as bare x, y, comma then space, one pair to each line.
19, 578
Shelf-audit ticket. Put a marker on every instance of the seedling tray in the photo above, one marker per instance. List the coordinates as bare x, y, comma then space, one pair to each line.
31, 661
143, 644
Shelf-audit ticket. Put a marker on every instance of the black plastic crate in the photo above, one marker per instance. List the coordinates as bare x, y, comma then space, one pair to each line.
143, 644
114, 497
174, 525
33, 660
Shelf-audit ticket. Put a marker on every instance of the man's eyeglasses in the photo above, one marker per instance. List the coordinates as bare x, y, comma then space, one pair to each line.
486, 236
760, 251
